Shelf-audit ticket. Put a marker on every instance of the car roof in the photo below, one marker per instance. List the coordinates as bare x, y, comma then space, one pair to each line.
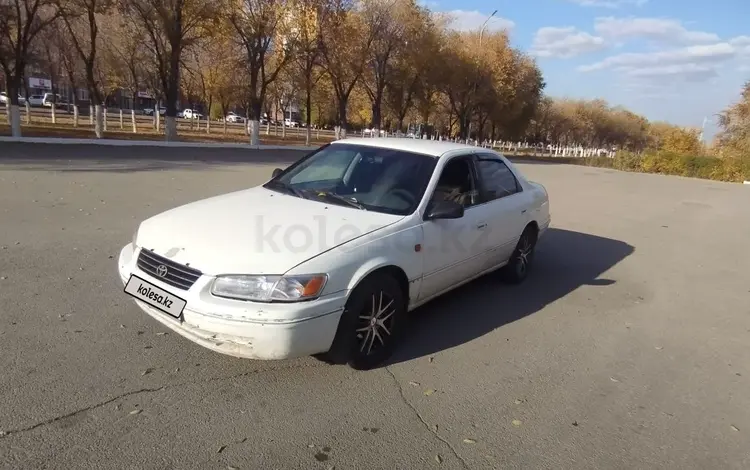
434, 148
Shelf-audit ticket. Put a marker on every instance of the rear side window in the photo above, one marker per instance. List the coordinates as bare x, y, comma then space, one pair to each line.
496, 178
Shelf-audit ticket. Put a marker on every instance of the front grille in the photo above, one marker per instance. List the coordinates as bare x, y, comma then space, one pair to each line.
177, 275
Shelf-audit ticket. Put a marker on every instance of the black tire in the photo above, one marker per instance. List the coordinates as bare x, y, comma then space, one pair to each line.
356, 342
519, 265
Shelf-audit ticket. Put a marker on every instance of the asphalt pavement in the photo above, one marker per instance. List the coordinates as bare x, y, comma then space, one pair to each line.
626, 348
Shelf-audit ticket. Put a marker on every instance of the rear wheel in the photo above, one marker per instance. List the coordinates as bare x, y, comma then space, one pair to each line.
370, 326
519, 265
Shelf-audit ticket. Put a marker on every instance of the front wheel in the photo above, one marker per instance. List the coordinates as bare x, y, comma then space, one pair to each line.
371, 324
519, 265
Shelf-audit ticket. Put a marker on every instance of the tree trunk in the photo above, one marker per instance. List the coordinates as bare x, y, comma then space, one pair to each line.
376, 117
208, 116
14, 118
99, 126
104, 118
122, 122
170, 128
157, 118
308, 117
341, 127
28, 114
283, 127
133, 121
254, 127
75, 115
53, 114
91, 114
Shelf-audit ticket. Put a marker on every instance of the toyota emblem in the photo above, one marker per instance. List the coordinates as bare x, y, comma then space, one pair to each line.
161, 271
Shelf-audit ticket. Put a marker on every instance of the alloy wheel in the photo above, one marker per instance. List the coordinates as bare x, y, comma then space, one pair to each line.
524, 255
375, 323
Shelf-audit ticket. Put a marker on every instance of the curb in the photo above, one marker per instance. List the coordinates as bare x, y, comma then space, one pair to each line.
149, 143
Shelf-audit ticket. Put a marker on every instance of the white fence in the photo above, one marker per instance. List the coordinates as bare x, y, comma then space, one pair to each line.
516, 148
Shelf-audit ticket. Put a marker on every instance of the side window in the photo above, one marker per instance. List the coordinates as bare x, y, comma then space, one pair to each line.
497, 179
457, 183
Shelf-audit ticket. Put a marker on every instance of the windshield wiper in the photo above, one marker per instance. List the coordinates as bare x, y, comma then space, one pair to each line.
287, 188
347, 200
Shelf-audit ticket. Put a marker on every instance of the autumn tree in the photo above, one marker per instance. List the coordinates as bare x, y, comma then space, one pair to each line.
344, 59
228, 88
463, 80
48, 56
734, 137
258, 26
82, 19
127, 58
388, 22
21, 21
170, 26
210, 63
418, 70
306, 45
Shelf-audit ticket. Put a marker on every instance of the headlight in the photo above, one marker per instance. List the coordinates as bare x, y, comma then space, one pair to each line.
268, 288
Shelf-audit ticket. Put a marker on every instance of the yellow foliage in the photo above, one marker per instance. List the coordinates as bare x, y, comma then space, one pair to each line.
681, 140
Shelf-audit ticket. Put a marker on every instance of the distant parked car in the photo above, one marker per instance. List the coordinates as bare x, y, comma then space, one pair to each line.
4, 99
36, 100
150, 111
50, 98
233, 117
290, 123
190, 114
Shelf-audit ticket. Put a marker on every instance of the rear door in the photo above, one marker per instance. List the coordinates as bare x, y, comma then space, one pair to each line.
506, 205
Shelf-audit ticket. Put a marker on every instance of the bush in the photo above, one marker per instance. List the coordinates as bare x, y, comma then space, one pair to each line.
678, 164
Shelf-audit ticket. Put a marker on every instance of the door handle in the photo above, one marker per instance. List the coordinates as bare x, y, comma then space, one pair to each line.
482, 226
523, 211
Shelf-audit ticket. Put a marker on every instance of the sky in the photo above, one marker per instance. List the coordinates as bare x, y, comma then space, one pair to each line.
680, 61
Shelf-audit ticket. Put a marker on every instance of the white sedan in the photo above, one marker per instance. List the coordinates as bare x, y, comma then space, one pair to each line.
329, 255
234, 117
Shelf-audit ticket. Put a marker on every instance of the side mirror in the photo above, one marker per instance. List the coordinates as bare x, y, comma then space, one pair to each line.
444, 210
276, 172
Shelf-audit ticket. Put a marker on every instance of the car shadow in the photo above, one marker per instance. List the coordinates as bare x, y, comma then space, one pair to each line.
127, 159
564, 261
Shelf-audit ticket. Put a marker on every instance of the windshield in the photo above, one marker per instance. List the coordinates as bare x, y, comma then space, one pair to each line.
359, 176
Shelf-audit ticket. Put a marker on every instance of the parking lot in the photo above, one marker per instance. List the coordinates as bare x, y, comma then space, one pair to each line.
626, 348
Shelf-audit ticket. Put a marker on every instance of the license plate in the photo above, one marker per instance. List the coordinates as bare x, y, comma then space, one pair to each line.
155, 296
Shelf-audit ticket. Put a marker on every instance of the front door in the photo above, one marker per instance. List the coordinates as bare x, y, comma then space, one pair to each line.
453, 247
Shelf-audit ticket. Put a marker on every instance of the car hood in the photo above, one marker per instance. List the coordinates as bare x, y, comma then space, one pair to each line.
254, 231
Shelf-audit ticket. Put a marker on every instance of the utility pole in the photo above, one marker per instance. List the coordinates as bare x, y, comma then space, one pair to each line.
484, 26
476, 86
703, 128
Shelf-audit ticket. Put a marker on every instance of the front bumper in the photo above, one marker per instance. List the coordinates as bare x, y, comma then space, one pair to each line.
266, 331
